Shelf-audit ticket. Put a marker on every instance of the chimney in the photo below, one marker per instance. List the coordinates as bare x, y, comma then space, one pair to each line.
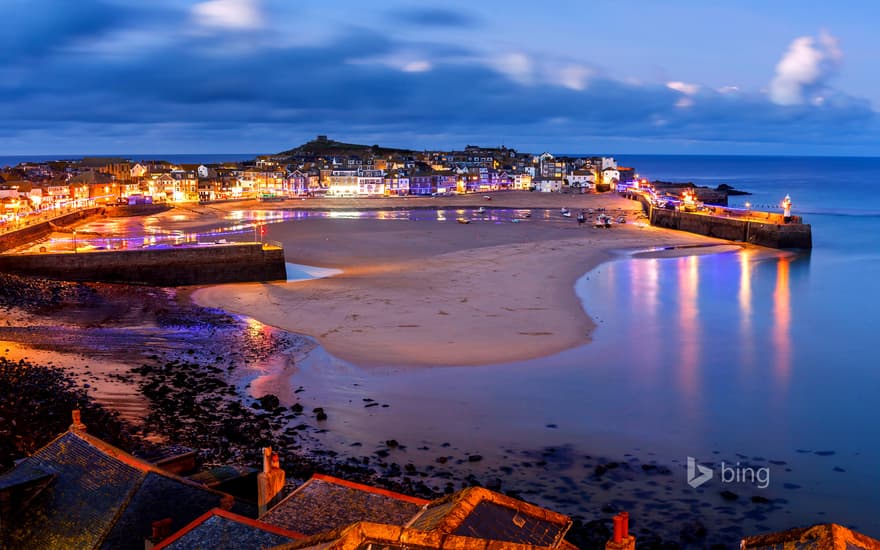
161, 531
621, 540
77, 425
270, 481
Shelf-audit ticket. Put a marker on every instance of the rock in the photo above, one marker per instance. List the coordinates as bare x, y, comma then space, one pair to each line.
692, 532
269, 402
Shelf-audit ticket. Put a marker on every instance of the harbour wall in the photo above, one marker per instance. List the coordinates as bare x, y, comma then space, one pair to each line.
761, 228
213, 264
43, 228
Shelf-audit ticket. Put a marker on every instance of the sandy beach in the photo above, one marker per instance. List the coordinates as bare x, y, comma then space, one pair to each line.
441, 293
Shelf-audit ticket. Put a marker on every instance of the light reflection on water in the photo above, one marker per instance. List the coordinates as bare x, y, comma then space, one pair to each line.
715, 356
243, 226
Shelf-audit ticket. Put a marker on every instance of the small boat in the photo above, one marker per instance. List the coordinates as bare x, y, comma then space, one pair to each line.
516, 220
463, 220
481, 210
564, 211
621, 219
582, 218
566, 214
603, 221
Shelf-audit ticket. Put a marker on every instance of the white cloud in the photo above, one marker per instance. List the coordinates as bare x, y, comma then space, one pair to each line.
229, 14
684, 103
419, 66
575, 77
517, 66
805, 67
683, 87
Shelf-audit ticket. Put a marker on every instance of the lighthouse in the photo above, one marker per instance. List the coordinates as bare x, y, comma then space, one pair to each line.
786, 209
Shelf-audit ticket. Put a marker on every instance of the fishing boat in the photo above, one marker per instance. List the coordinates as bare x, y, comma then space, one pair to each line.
463, 220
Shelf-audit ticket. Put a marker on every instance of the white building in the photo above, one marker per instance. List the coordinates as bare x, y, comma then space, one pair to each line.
343, 183
522, 182
582, 179
371, 182
609, 162
548, 185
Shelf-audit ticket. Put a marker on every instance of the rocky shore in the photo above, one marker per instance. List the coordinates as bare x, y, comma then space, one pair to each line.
192, 365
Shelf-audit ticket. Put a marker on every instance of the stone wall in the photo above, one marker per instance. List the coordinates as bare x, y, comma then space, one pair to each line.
773, 235
161, 267
762, 228
40, 230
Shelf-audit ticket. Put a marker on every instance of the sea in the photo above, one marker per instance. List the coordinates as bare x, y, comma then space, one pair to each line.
759, 365
189, 158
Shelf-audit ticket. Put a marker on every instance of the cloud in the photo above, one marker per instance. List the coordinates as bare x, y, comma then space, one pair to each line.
229, 14
36, 28
805, 69
436, 17
575, 77
418, 66
516, 66
237, 94
683, 87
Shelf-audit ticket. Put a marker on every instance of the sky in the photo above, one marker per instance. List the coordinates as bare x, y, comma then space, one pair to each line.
583, 76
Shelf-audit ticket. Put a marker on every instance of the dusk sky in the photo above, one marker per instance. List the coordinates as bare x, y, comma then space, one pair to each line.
253, 76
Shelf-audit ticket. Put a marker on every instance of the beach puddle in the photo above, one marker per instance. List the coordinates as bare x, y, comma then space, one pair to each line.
299, 272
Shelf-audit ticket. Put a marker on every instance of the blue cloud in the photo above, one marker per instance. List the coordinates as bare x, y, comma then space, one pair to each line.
436, 17
217, 89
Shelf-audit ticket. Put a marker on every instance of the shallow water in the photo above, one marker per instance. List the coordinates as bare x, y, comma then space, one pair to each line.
765, 360
183, 227
719, 357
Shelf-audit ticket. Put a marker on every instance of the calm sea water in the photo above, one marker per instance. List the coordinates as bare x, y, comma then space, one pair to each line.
760, 356
13, 160
767, 359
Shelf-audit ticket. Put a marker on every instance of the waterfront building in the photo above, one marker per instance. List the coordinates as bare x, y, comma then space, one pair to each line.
548, 184
581, 179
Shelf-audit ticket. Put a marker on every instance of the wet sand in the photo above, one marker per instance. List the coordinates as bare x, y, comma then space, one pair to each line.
441, 293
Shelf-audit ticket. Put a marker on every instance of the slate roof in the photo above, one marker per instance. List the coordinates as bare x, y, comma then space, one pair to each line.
817, 537
365, 535
324, 503
220, 529
100, 497
479, 513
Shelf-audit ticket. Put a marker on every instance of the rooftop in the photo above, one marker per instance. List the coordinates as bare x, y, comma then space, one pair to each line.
221, 529
324, 503
80, 492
